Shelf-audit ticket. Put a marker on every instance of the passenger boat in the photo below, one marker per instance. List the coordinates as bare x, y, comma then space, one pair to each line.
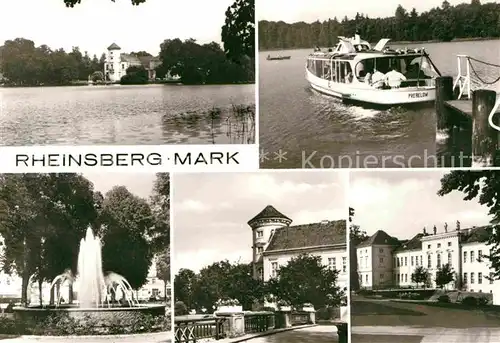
354, 71
278, 58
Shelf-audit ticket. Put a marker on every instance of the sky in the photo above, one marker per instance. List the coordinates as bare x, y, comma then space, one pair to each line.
210, 211
402, 203
94, 24
291, 11
138, 184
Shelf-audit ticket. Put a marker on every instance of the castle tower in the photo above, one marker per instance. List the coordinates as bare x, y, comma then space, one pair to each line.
263, 226
112, 65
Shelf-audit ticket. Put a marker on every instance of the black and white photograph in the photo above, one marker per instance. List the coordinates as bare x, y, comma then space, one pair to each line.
424, 256
260, 257
85, 257
127, 72
393, 84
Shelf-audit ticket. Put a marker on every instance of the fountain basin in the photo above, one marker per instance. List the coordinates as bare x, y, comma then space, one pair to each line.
98, 317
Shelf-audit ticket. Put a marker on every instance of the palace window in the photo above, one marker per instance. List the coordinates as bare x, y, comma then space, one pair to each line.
344, 264
260, 234
480, 278
260, 250
123, 65
331, 263
421, 263
465, 278
274, 269
449, 259
261, 273
471, 278
438, 261
406, 277
411, 261
366, 278
406, 261
429, 261
381, 250
381, 260
472, 257
428, 246
465, 256
439, 245
449, 244
480, 256
382, 276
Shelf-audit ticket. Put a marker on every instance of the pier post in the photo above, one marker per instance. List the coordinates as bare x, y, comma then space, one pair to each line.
484, 137
444, 92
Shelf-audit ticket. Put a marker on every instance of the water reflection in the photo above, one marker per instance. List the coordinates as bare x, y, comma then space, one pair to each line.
124, 115
317, 334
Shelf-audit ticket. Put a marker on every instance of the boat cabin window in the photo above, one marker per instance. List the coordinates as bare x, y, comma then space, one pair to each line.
418, 70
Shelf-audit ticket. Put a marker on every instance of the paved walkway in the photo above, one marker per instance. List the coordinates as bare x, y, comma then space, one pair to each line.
157, 337
297, 334
430, 335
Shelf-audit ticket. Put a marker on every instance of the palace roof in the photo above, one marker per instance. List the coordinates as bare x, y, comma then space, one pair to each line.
269, 212
326, 233
114, 46
379, 238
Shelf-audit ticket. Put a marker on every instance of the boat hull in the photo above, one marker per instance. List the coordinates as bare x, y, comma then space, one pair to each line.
360, 92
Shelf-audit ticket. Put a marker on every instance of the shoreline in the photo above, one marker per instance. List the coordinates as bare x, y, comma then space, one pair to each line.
434, 41
168, 83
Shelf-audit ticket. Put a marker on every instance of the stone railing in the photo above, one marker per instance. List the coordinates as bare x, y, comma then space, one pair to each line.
191, 330
236, 324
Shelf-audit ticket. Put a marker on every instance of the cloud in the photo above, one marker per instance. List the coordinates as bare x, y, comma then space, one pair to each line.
307, 217
266, 185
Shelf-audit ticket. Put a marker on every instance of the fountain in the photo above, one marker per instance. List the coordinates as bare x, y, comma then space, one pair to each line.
98, 294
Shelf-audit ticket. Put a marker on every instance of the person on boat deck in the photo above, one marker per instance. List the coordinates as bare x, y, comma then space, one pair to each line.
394, 78
378, 79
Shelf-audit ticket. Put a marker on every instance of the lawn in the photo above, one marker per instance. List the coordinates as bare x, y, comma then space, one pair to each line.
370, 312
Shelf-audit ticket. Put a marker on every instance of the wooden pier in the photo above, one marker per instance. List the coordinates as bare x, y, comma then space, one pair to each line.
472, 116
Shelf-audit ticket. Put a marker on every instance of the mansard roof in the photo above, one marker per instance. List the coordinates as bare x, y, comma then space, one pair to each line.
413, 244
326, 233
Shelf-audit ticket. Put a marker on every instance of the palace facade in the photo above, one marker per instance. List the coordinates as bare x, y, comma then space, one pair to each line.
385, 261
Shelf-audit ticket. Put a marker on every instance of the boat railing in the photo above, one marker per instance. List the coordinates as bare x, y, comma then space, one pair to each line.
462, 80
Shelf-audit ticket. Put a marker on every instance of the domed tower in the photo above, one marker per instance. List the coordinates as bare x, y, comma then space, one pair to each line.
263, 226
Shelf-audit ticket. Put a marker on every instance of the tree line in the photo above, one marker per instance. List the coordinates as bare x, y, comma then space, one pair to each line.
445, 23
304, 280
43, 217
24, 64
483, 186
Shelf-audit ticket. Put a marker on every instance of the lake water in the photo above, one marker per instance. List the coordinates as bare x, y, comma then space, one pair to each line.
123, 115
298, 125
317, 334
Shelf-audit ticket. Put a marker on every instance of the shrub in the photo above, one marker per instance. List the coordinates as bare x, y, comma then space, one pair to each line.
444, 298
482, 301
469, 301
180, 309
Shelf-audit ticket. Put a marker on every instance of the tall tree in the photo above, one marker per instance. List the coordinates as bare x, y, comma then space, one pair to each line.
444, 275
126, 220
238, 32
305, 280
184, 287
420, 276
163, 269
356, 236
483, 186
